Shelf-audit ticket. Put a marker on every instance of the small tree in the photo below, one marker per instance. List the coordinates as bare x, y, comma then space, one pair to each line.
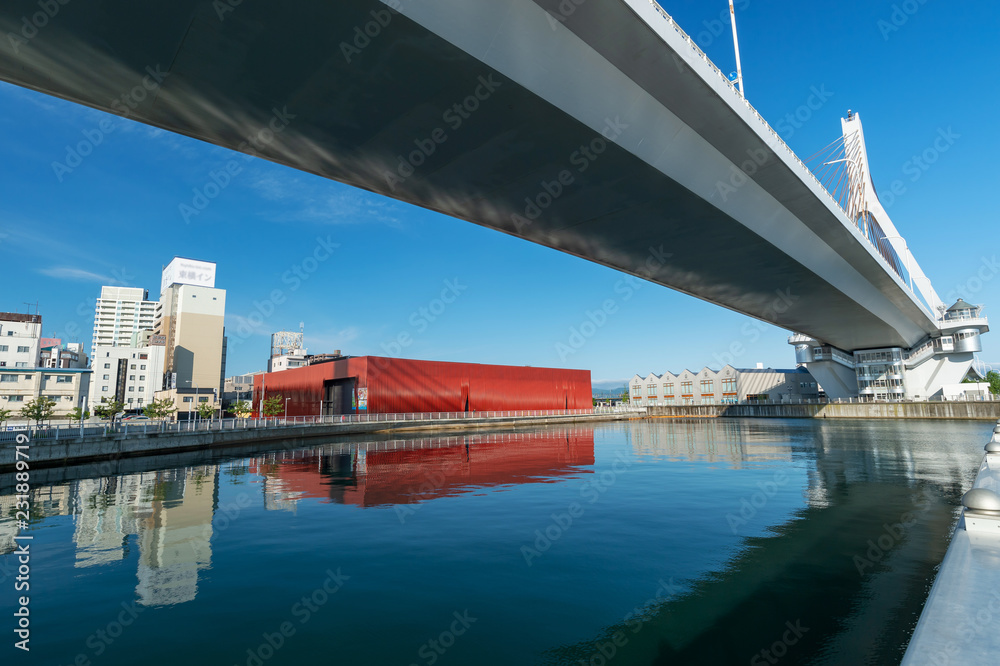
274, 405
625, 394
39, 409
109, 409
159, 409
993, 377
77, 414
4, 416
206, 410
241, 409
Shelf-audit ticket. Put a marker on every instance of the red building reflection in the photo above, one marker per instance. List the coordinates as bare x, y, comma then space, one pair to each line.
408, 471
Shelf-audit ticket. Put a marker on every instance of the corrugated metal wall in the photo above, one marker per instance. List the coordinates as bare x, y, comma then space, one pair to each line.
405, 385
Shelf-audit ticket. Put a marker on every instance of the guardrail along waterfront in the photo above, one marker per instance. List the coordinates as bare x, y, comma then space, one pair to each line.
64, 444
983, 410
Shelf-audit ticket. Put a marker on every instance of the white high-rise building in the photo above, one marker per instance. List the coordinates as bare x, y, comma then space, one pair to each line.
192, 326
120, 312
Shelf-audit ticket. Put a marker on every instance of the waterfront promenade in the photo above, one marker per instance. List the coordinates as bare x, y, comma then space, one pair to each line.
959, 621
70, 444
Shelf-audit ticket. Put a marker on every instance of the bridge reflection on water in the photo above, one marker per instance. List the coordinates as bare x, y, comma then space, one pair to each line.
748, 524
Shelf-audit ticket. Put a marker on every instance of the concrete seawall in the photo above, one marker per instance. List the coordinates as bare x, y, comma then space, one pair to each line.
65, 451
986, 411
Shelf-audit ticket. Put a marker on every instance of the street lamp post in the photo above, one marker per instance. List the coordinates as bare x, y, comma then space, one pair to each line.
286, 408
191, 381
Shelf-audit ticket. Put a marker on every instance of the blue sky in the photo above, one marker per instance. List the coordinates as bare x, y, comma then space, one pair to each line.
912, 69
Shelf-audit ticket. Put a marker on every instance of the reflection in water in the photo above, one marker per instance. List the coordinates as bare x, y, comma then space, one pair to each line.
822, 549
171, 514
408, 471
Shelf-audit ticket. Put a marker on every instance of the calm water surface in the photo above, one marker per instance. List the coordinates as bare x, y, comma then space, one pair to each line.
653, 542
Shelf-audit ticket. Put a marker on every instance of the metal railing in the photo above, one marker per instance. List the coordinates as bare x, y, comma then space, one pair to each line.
766, 125
56, 432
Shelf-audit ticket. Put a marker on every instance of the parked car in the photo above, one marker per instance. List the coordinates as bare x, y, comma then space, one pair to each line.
136, 417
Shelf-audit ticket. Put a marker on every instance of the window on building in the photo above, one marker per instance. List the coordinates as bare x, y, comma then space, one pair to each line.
15, 398
142, 367
139, 400
20, 364
104, 389
142, 388
64, 379
668, 389
8, 378
106, 377
107, 365
729, 385
143, 357
651, 390
188, 398
132, 367
130, 400
131, 378
3, 348
22, 349
707, 386
686, 388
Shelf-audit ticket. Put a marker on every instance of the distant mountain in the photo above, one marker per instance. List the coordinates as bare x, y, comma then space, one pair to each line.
609, 385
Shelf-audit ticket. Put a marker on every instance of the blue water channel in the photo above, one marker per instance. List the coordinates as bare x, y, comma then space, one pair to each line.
648, 542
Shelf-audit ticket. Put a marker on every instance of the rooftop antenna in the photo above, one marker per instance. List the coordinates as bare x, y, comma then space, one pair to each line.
736, 45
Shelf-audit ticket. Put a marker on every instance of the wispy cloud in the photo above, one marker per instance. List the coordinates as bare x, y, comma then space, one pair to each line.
310, 199
326, 341
78, 274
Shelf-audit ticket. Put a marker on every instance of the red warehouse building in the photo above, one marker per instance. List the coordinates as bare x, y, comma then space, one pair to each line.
382, 385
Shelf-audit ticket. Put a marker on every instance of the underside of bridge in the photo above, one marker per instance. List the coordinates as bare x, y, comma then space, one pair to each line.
591, 133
